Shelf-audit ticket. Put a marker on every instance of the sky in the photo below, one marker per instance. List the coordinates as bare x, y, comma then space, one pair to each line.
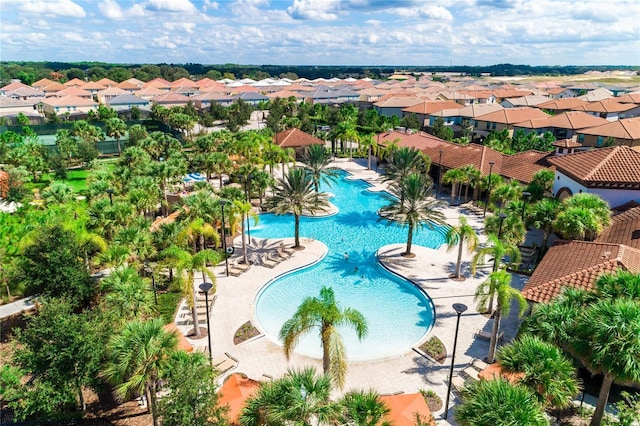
323, 32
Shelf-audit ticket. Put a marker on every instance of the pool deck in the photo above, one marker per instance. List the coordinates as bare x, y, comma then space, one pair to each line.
260, 357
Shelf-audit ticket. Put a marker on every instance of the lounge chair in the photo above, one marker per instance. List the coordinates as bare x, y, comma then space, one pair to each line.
458, 383
471, 373
224, 362
266, 261
486, 335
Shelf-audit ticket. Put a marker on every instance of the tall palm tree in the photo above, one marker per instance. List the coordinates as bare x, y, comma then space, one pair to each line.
471, 179
190, 264
547, 371
542, 217
418, 209
499, 283
506, 192
499, 403
116, 128
462, 236
317, 161
455, 177
302, 397
244, 209
363, 408
405, 161
138, 357
294, 194
371, 145
583, 216
346, 132
324, 313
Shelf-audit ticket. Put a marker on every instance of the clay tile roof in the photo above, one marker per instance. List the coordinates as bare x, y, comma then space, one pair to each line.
41, 83
577, 264
170, 97
523, 165
395, 101
113, 91
128, 85
53, 87
510, 93
513, 115
429, 107
184, 82
69, 101
74, 91
159, 83
93, 85
561, 104
74, 82
567, 143
575, 120
293, 137
106, 82
605, 107
629, 98
626, 128
624, 229
615, 166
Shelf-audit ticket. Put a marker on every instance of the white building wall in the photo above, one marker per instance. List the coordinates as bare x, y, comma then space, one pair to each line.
615, 197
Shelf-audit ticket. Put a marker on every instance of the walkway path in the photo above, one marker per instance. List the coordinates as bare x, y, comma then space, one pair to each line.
429, 270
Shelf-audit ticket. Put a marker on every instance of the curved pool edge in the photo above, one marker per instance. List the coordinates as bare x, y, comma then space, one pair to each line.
416, 285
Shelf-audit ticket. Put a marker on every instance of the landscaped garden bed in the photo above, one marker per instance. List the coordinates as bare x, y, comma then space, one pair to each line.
245, 332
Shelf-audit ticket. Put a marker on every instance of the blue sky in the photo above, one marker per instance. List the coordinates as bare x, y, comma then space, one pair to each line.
323, 32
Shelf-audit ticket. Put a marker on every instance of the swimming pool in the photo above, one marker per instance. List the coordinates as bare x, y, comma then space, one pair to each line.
398, 313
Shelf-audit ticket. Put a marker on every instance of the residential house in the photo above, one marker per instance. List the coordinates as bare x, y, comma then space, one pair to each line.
296, 139
127, 101
203, 101
566, 146
109, 93
330, 96
629, 98
72, 105
130, 86
74, 91
422, 110
75, 82
610, 109
505, 119
624, 229
563, 125
11, 107
18, 90
611, 173
170, 99
577, 264
598, 94
524, 101
391, 105
106, 82
93, 87
561, 92
52, 88
558, 106
455, 117
251, 98
621, 132
42, 83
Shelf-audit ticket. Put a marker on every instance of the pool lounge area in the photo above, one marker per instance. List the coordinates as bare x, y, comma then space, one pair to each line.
406, 370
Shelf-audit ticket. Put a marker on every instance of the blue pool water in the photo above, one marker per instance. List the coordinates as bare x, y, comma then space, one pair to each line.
398, 314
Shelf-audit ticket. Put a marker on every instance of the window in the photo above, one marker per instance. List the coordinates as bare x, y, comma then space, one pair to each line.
581, 138
487, 125
493, 126
600, 140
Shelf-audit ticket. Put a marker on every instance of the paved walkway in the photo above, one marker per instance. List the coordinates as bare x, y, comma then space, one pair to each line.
429, 270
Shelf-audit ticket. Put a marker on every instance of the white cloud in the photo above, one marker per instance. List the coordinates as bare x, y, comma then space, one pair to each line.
51, 7
172, 5
112, 10
164, 42
180, 26
313, 10
73, 37
208, 4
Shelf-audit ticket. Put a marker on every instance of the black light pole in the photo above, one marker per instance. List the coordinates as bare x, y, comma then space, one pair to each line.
224, 239
110, 192
149, 269
440, 171
206, 286
525, 197
247, 189
459, 308
484, 213
502, 217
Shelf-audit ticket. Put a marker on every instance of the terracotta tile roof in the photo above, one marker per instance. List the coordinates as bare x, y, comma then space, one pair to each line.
575, 120
293, 137
41, 83
184, 82
150, 92
15, 85
53, 87
561, 104
74, 82
113, 91
429, 107
107, 82
159, 83
170, 98
626, 128
513, 115
577, 264
624, 229
521, 166
395, 101
604, 107
69, 101
128, 85
73, 91
510, 93
530, 100
629, 98
618, 166
93, 85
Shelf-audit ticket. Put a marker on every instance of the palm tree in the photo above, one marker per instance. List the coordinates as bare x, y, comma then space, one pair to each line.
58, 193
499, 283
187, 263
244, 209
137, 358
542, 217
404, 162
455, 177
325, 314
116, 128
499, 403
471, 179
301, 397
506, 192
294, 194
498, 250
547, 371
511, 229
584, 216
346, 131
418, 209
127, 294
317, 161
363, 408
461, 235
369, 143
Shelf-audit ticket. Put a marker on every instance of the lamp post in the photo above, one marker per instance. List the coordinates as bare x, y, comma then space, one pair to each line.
525, 197
459, 308
206, 286
224, 239
484, 213
148, 269
110, 192
502, 217
247, 194
440, 171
